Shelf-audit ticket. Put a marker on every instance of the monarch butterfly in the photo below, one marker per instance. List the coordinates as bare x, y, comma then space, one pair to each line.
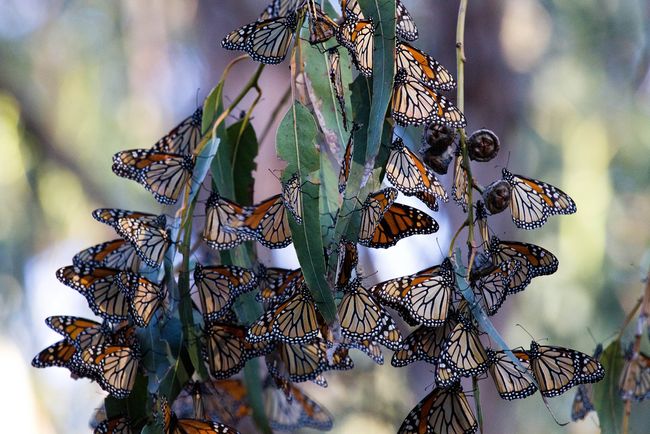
635, 378
410, 176
414, 103
101, 288
269, 223
344, 173
162, 174
373, 209
348, 259
115, 425
369, 347
334, 60
422, 67
174, 425
404, 24
424, 343
582, 402
223, 400
441, 411
481, 221
558, 369
357, 35
492, 288
184, 137
362, 317
424, 296
303, 361
115, 366
278, 8
384, 223
462, 354
321, 27
145, 232
117, 254
265, 41
459, 190
292, 197
292, 414
59, 354
533, 201
292, 321
525, 261
219, 286
510, 382
277, 284
226, 350
224, 221
145, 297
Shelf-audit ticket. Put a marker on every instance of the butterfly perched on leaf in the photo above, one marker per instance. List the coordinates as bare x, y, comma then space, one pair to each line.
533, 201
405, 27
415, 103
441, 411
266, 41
278, 8
510, 381
321, 27
356, 33
334, 61
410, 176
421, 298
296, 412
384, 223
557, 369
347, 261
218, 287
422, 67
292, 197
145, 232
346, 163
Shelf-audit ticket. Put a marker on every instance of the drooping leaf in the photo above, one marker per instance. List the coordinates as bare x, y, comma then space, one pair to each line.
244, 150
606, 398
296, 144
329, 199
383, 14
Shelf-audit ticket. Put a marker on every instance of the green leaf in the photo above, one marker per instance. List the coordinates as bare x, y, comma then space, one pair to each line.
383, 65
296, 141
329, 199
606, 399
296, 144
244, 150
323, 96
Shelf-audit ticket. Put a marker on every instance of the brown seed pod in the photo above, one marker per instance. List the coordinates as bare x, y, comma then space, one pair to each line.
438, 138
439, 163
497, 196
483, 145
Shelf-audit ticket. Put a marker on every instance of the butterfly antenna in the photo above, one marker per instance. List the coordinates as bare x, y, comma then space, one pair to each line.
524, 329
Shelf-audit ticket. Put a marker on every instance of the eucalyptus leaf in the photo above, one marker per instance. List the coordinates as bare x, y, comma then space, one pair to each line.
606, 398
383, 70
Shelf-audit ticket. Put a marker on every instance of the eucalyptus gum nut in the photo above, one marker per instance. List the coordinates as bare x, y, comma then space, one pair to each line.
483, 145
438, 138
497, 196
438, 163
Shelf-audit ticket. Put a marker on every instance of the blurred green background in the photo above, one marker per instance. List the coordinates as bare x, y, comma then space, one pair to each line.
566, 86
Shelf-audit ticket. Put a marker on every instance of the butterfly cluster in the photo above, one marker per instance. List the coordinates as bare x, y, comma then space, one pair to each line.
226, 309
